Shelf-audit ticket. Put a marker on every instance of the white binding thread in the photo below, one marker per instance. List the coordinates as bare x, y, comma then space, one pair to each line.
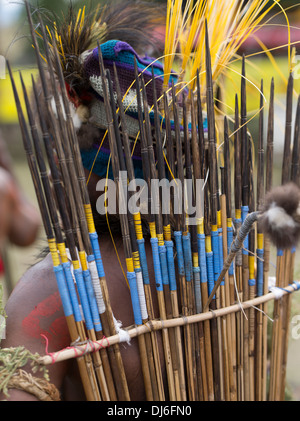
97, 287
141, 294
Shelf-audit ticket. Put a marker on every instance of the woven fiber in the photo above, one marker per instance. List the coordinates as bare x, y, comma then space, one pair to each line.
40, 388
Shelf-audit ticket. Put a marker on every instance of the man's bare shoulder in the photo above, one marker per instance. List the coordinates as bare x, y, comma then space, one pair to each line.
37, 276
34, 310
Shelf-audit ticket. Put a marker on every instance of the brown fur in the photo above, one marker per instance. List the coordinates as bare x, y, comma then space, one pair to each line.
286, 197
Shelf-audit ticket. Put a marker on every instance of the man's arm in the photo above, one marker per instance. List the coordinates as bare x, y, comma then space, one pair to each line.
20, 220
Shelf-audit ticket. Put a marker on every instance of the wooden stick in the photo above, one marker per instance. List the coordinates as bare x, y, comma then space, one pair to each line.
252, 279
213, 201
279, 307
197, 169
287, 255
269, 183
260, 254
229, 281
245, 203
63, 355
285, 177
238, 261
224, 297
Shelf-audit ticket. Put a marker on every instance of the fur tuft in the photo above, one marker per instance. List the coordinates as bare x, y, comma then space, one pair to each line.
281, 216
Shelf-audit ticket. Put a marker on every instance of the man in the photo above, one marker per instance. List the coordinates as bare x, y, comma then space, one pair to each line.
19, 219
35, 317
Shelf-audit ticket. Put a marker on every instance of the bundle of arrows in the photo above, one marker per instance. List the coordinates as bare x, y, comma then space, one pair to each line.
210, 245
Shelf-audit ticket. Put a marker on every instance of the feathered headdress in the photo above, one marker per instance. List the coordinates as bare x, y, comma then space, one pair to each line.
129, 31
77, 33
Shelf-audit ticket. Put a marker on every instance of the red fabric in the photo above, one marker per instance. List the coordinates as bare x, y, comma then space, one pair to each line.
83, 98
1, 267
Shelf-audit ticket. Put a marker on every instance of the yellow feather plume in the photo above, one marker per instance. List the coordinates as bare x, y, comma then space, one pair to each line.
185, 34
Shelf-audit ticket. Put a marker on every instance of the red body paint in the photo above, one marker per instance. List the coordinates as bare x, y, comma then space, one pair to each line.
38, 322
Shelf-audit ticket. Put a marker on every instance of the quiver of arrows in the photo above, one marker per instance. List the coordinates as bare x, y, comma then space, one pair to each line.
211, 260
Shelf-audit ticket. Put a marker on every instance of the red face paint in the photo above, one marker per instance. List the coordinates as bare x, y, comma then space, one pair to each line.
39, 321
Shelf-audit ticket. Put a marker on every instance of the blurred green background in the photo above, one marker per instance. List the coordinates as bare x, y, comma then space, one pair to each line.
15, 45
